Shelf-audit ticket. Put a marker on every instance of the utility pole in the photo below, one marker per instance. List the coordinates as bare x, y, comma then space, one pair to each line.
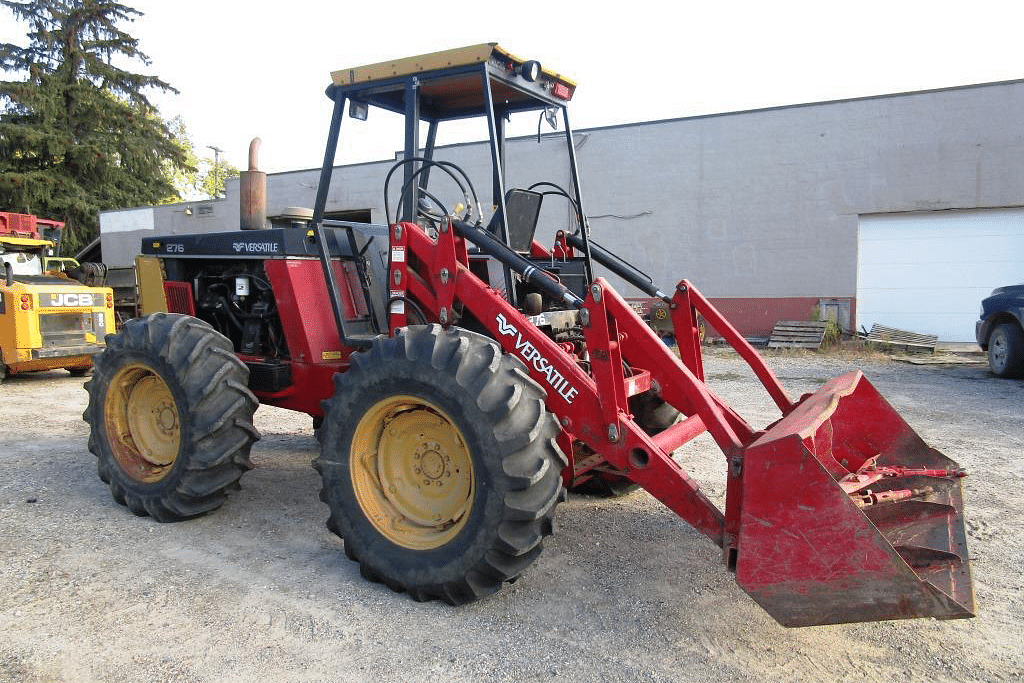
216, 170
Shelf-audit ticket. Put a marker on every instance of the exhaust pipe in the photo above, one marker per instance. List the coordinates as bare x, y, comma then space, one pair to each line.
253, 192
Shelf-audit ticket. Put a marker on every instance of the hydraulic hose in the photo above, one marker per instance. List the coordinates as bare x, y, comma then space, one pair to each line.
623, 269
534, 275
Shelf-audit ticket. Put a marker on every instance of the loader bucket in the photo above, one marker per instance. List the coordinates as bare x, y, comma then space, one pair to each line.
847, 516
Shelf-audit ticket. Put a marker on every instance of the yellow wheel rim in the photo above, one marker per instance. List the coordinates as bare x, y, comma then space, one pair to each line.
412, 472
142, 424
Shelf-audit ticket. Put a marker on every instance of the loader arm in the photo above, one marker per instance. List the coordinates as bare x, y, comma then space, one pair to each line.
574, 396
805, 540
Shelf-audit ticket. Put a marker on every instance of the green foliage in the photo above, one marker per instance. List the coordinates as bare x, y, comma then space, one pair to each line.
204, 177
182, 177
215, 175
78, 133
833, 333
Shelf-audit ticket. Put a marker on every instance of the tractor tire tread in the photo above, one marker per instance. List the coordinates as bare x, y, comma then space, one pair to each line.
217, 430
528, 462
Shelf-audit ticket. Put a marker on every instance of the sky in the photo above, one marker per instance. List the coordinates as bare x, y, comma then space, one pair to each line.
260, 69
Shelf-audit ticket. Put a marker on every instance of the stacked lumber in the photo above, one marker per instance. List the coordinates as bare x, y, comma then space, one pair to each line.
901, 339
799, 334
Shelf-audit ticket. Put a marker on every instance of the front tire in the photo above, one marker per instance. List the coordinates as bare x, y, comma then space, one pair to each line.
171, 417
439, 464
1006, 351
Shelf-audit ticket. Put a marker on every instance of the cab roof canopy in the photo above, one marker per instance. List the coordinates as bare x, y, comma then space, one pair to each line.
450, 85
25, 243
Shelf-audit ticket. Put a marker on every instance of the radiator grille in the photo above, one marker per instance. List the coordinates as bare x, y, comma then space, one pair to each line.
179, 298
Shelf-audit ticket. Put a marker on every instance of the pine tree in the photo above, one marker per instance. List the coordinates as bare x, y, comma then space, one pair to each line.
78, 133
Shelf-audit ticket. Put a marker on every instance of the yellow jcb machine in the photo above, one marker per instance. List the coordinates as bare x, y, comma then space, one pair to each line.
47, 319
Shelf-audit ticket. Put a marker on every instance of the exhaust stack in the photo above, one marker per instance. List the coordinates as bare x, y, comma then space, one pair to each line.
253, 192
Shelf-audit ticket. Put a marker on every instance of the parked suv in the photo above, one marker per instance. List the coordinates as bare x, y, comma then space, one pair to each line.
1001, 330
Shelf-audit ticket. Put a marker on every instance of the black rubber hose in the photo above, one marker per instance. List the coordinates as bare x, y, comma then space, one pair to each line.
412, 304
540, 278
443, 165
623, 269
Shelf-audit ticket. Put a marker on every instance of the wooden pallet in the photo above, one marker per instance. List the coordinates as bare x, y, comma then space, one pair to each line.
799, 334
901, 339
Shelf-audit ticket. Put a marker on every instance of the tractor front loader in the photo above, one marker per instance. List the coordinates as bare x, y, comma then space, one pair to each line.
463, 376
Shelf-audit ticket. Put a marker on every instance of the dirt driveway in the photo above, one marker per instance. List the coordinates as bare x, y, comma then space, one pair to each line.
260, 591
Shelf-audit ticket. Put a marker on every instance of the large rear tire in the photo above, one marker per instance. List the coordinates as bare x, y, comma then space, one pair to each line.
171, 416
439, 464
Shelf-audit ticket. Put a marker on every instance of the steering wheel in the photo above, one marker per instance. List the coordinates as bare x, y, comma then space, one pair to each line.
429, 205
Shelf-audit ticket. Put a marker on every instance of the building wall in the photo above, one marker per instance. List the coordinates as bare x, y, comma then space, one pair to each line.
122, 230
751, 206
766, 203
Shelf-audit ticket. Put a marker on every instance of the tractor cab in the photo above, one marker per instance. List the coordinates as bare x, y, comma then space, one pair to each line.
22, 248
22, 257
479, 82
29, 246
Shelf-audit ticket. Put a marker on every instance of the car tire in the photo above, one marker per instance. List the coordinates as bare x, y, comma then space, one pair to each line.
1006, 351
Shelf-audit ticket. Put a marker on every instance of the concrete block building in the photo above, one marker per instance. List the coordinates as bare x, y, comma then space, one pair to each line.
904, 210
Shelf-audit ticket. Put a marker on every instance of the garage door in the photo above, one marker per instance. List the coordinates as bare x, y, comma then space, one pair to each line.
928, 272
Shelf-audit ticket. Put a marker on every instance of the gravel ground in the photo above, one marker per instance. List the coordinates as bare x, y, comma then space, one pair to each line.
624, 591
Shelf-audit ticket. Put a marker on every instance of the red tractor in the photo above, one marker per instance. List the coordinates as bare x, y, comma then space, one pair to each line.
462, 376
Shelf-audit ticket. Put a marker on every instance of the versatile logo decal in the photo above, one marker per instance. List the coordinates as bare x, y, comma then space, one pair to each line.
256, 247
506, 328
534, 359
